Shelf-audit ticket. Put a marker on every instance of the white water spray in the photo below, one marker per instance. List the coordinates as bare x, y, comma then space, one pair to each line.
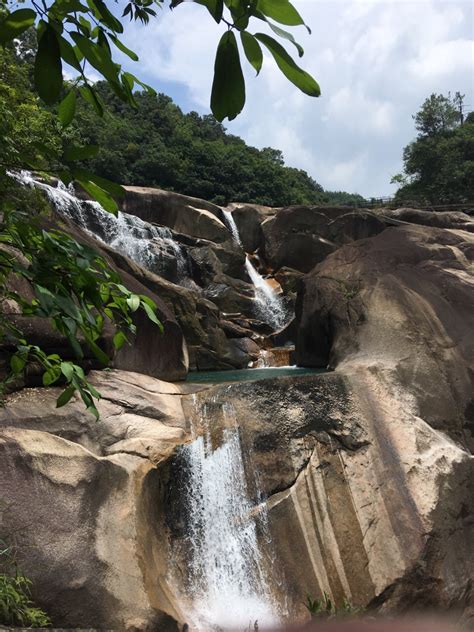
269, 305
227, 584
126, 233
232, 226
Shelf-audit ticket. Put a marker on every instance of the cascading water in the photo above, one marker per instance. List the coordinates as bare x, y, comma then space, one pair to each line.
227, 583
232, 226
147, 244
269, 305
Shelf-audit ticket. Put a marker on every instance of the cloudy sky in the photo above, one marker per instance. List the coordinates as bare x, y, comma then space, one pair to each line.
376, 62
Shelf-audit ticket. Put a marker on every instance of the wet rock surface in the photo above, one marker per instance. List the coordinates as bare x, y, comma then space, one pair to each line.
367, 470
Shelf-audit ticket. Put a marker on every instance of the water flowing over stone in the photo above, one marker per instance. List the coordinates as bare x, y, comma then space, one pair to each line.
269, 306
232, 226
150, 245
227, 583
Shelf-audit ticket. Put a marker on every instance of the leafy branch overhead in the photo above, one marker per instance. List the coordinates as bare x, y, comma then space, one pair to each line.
73, 287
76, 34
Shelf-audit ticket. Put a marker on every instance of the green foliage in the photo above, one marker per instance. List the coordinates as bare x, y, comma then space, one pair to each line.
437, 115
155, 144
77, 35
74, 289
439, 164
228, 89
28, 132
16, 605
325, 608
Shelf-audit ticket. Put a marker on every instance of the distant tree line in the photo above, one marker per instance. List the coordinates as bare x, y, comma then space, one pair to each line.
439, 163
156, 144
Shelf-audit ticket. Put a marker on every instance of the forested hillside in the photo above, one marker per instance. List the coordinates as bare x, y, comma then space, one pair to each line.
157, 144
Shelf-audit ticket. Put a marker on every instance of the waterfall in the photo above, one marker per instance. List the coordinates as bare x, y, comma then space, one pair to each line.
151, 246
227, 582
232, 226
269, 305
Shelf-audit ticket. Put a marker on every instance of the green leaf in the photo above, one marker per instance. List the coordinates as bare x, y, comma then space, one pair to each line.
73, 152
228, 88
282, 11
119, 340
106, 16
97, 193
15, 24
17, 363
48, 68
98, 57
67, 108
68, 54
91, 97
67, 369
93, 411
133, 302
99, 354
94, 392
150, 312
63, 7
114, 189
288, 36
215, 8
252, 50
65, 396
51, 376
299, 77
123, 48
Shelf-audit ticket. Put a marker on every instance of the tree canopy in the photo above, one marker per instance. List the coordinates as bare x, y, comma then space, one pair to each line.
439, 163
156, 144
79, 36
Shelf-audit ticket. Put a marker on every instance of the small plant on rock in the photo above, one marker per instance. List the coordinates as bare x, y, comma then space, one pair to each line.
16, 605
325, 608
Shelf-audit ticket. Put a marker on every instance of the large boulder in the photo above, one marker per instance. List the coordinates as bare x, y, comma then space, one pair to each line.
300, 237
207, 345
208, 260
367, 469
404, 300
183, 214
248, 220
435, 219
78, 496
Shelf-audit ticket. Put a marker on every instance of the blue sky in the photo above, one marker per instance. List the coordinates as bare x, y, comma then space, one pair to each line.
376, 61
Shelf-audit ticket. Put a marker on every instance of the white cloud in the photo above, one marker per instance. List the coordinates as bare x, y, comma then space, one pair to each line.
444, 59
376, 61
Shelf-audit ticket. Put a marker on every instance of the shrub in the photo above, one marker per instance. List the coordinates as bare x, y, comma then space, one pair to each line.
16, 605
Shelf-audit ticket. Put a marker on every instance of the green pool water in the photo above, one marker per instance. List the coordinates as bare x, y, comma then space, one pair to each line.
248, 375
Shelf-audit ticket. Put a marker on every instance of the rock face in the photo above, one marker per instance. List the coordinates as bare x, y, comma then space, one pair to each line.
403, 300
368, 469
366, 500
75, 494
439, 219
393, 314
299, 237
248, 219
183, 214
